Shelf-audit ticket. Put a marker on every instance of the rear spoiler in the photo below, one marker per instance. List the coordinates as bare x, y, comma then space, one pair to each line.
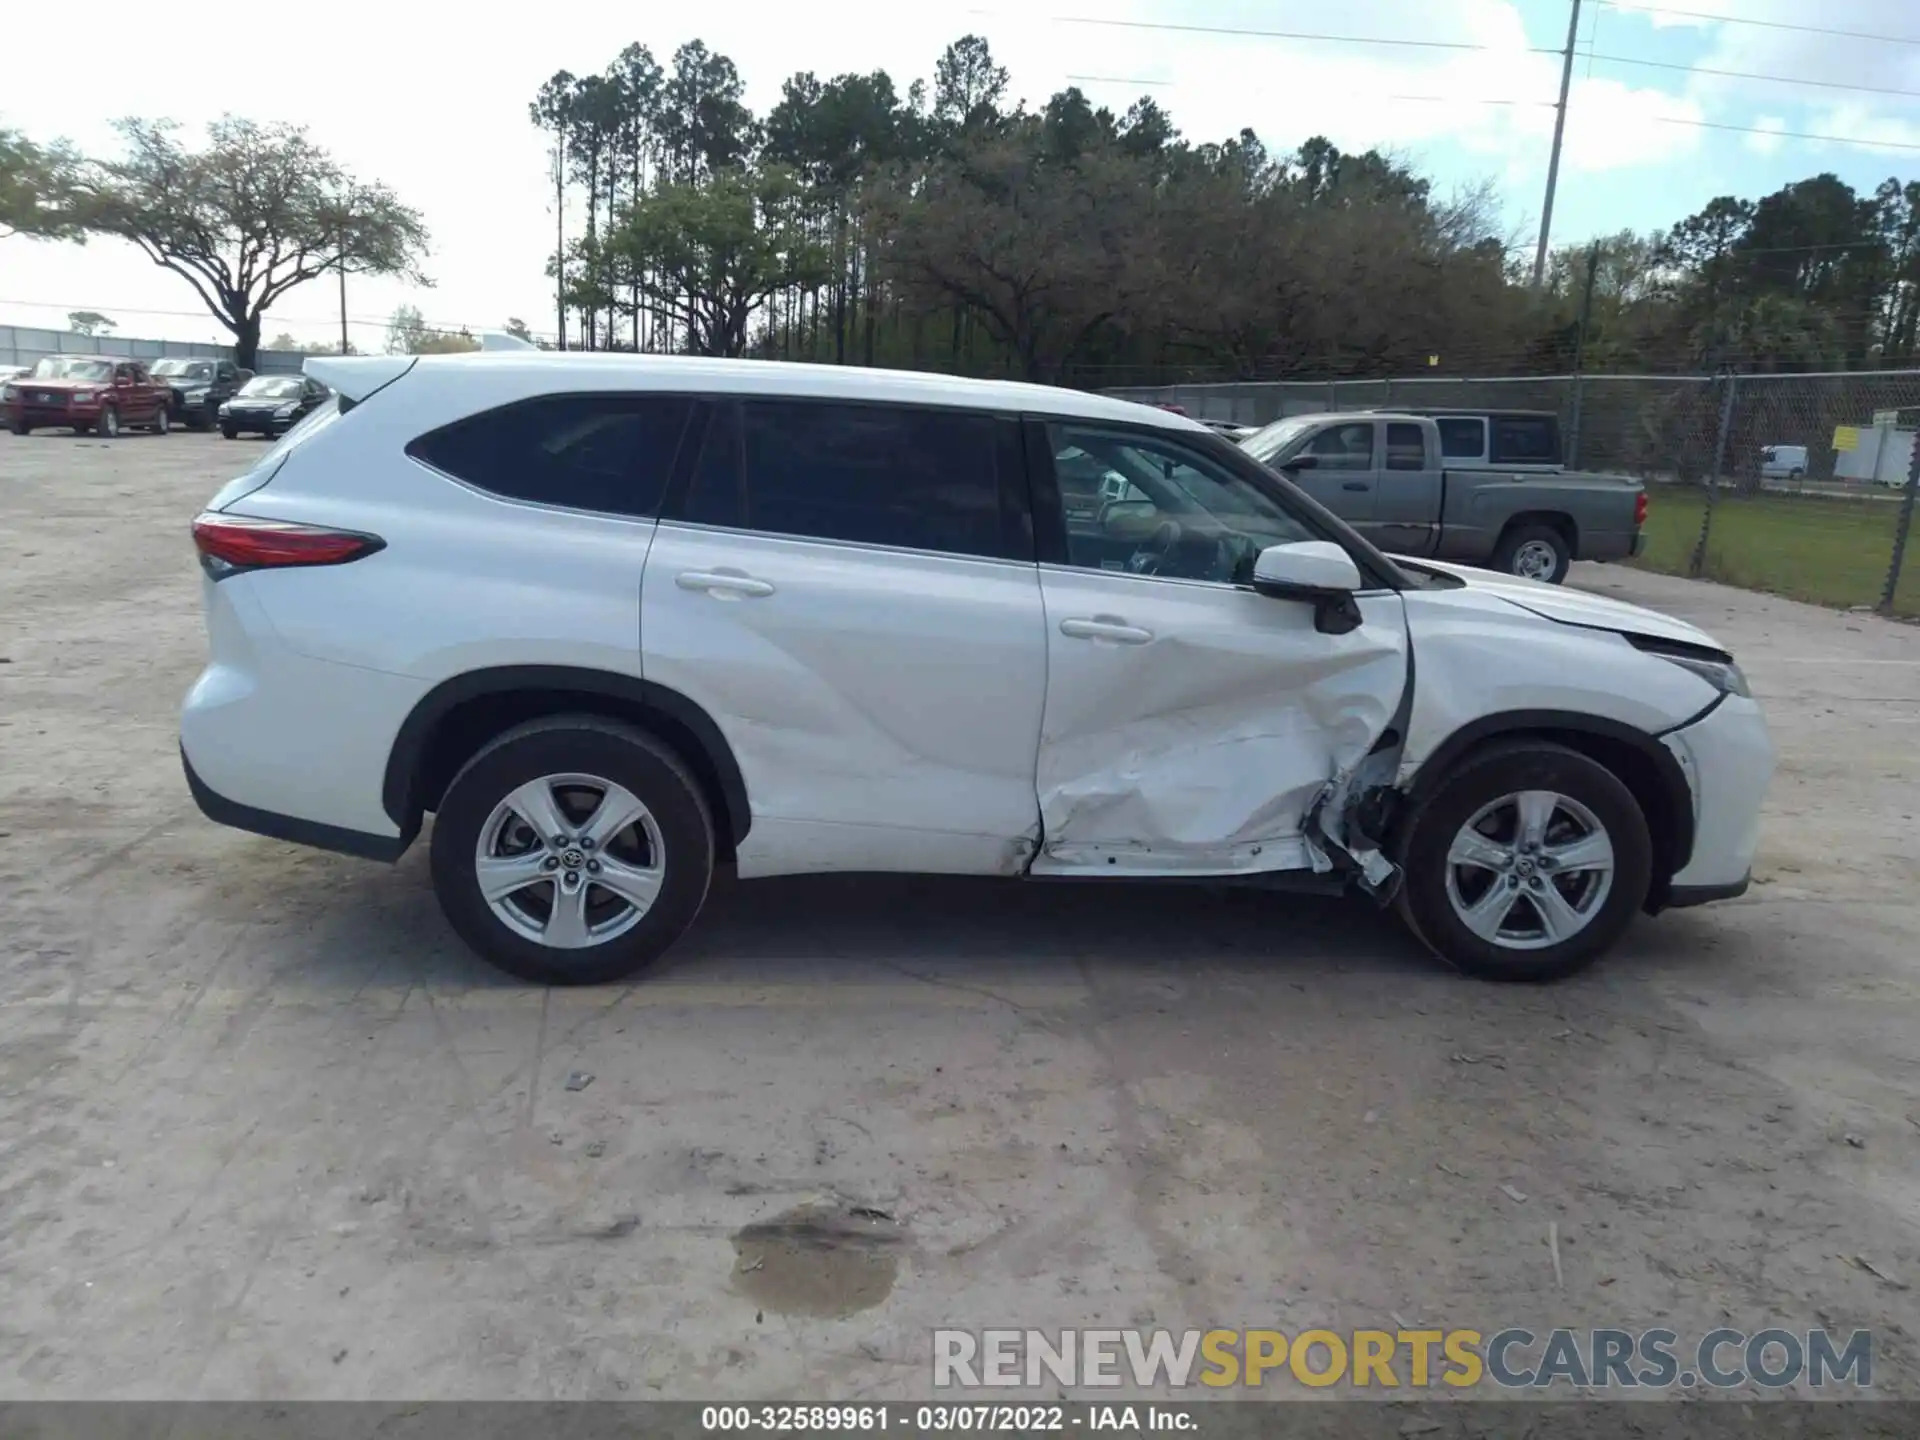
355, 377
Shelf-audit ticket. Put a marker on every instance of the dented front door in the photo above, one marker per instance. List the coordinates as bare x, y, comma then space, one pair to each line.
1190, 723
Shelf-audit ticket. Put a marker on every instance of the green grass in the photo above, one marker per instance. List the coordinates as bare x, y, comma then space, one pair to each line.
1828, 551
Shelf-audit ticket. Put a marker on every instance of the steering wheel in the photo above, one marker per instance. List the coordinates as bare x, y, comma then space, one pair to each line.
1148, 558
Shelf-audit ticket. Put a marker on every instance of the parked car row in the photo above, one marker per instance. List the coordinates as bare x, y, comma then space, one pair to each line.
105, 395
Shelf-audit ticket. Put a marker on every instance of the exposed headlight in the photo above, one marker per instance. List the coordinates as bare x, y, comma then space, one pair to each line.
81, 397
285, 412
225, 406
1723, 675
9, 393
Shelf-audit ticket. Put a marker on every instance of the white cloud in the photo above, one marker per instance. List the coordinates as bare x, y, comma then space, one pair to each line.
1766, 139
437, 108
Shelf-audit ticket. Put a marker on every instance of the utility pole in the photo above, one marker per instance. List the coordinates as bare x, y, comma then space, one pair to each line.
1553, 161
1580, 355
345, 348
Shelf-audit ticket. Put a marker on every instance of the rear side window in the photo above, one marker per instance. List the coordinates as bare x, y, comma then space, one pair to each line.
1462, 438
1406, 447
869, 474
608, 453
1525, 440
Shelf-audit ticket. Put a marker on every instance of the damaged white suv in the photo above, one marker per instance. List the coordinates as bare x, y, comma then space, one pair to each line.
615, 620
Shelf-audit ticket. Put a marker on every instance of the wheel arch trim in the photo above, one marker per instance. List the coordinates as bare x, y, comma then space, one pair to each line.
405, 760
1557, 725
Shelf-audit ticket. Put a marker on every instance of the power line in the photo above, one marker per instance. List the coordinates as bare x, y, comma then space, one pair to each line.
1160, 25
1471, 46
1761, 24
1788, 134
1852, 140
1752, 75
1430, 99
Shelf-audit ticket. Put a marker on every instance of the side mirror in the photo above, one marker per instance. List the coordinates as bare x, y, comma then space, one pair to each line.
1301, 462
1317, 572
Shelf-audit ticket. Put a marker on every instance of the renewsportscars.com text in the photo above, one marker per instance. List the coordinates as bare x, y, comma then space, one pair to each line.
1510, 1359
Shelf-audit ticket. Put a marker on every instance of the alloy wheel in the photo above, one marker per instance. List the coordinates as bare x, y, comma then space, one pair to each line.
570, 861
1530, 870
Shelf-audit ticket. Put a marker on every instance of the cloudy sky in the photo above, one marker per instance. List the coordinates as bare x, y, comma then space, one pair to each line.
432, 98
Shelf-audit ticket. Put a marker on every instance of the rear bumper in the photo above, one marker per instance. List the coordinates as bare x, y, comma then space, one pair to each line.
222, 811
1639, 543
1610, 544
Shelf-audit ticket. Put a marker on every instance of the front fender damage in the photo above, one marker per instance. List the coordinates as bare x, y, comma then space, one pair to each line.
1344, 822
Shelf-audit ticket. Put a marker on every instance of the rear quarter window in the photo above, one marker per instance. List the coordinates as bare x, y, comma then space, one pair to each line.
611, 454
1525, 440
1461, 437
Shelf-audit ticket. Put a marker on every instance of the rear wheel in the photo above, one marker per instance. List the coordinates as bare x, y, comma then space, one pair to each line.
20, 427
1534, 552
1528, 863
162, 421
572, 851
229, 432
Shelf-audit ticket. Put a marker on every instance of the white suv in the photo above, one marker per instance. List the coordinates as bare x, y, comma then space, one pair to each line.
615, 620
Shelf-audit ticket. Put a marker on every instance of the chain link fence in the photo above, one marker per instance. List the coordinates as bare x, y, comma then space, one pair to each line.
22, 345
1801, 485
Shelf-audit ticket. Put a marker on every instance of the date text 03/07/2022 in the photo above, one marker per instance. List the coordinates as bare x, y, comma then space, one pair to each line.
944, 1417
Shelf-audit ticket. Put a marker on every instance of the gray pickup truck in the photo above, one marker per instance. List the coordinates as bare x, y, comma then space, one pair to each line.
1482, 488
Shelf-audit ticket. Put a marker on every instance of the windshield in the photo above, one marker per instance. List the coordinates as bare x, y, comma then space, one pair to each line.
1263, 445
273, 387
72, 367
183, 369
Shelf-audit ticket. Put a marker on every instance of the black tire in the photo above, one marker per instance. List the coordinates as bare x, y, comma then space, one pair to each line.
1524, 540
229, 432
196, 420
575, 744
83, 429
162, 421
109, 427
20, 427
1480, 780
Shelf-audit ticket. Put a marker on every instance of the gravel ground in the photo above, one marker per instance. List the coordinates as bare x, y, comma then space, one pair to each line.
270, 1132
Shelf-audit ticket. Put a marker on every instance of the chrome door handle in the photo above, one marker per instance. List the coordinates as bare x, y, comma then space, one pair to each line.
723, 584
1115, 632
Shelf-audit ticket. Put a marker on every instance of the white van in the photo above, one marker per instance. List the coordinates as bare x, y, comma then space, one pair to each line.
1783, 462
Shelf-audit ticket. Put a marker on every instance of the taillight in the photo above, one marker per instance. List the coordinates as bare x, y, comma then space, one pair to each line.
1640, 510
232, 543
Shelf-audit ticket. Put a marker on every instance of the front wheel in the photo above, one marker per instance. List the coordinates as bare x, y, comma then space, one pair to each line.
572, 851
162, 421
1534, 552
1528, 863
228, 432
109, 426
20, 427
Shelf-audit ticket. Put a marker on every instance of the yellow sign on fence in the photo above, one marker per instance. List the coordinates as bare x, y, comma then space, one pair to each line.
1846, 438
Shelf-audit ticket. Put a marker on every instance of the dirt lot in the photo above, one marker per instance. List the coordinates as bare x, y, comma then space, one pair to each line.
270, 1131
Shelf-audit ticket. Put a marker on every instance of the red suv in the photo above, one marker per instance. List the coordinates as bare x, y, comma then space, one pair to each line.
85, 393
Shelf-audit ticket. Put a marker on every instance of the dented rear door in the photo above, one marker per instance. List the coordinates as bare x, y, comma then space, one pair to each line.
1191, 723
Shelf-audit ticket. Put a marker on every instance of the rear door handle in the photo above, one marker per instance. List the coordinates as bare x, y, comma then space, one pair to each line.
1356, 485
1113, 631
723, 584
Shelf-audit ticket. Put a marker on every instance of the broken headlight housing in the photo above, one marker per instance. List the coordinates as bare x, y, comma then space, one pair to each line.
1723, 675
1712, 666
